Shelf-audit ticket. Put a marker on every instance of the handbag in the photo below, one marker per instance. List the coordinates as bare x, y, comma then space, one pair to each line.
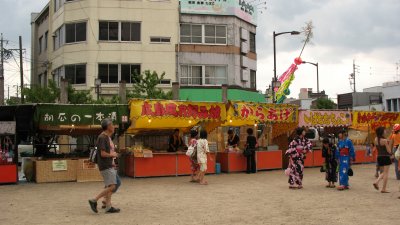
397, 153
350, 172
247, 152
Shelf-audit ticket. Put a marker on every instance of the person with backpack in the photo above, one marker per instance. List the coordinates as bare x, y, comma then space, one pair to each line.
105, 154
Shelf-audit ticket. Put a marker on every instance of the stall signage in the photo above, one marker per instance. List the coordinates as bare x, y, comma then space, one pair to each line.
325, 118
190, 110
78, 114
264, 112
87, 165
375, 119
243, 9
60, 165
7, 127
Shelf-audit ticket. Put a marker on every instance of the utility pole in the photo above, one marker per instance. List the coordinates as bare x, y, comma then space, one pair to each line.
21, 66
352, 77
2, 71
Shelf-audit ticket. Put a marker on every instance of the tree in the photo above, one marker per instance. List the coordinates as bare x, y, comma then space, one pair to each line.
146, 86
78, 97
325, 103
38, 94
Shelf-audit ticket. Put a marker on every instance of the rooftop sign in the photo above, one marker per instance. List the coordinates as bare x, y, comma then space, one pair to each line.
239, 8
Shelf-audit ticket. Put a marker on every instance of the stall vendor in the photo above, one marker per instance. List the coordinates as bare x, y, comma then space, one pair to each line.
233, 139
175, 141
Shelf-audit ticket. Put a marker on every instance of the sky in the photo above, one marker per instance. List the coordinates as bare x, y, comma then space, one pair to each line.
344, 30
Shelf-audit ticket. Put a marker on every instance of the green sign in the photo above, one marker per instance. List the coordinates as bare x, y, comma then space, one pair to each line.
55, 115
243, 9
60, 165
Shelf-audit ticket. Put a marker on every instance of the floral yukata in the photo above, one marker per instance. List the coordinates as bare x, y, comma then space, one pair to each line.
345, 153
297, 151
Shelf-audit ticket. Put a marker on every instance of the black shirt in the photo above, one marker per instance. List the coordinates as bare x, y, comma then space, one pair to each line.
103, 144
233, 141
174, 144
251, 142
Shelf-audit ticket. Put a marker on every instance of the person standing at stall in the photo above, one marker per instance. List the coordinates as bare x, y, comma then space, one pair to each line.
202, 150
395, 142
329, 153
298, 148
251, 144
384, 158
345, 153
105, 163
175, 141
193, 162
233, 139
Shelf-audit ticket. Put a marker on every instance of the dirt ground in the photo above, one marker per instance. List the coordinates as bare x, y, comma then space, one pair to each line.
262, 198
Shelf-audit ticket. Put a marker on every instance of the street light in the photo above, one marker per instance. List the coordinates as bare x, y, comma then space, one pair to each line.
275, 79
316, 65
97, 83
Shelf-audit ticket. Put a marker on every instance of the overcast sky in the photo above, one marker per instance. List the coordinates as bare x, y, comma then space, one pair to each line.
364, 30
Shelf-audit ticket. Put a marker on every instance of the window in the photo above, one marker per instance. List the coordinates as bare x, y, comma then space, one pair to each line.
108, 31
206, 34
252, 42
75, 74
389, 105
46, 39
42, 79
75, 32
58, 4
160, 39
395, 105
130, 31
214, 34
191, 33
130, 72
191, 75
57, 75
199, 75
59, 38
40, 44
253, 79
215, 75
108, 73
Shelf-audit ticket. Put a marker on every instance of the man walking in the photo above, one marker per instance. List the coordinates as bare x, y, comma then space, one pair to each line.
105, 155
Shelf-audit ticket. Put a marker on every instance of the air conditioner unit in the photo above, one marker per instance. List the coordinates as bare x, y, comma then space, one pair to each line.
244, 34
245, 75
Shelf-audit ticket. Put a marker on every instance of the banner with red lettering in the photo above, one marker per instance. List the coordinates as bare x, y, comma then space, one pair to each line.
375, 119
261, 112
324, 118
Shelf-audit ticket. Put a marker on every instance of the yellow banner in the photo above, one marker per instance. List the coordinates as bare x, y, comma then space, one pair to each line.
261, 112
166, 114
375, 119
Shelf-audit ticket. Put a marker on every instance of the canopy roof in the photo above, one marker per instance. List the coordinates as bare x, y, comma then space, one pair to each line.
248, 113
148, 115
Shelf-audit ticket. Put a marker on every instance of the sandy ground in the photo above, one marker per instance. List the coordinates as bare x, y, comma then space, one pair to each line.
262, 198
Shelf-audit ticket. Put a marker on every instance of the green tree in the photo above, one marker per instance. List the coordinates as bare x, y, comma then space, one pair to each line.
325, 103
79, 97
146, 86
38, 94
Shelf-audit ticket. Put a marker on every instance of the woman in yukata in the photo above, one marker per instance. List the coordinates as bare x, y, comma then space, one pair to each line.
346, 155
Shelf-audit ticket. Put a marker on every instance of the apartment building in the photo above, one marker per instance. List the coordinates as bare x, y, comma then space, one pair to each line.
109, 40
217, 47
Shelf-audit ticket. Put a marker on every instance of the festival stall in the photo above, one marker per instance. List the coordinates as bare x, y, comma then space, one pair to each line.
8, 153
261, 117
152, 121
73, 129
325, 123
362, 131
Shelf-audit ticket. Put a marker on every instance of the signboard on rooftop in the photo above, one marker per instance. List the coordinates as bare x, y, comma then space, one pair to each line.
242, 9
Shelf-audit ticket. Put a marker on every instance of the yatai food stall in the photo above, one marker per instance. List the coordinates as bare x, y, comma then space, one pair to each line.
261, 117
151, 123
362, 131
73, 130
320, 124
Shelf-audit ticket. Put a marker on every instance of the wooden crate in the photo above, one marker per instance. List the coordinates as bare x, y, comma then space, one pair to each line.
45, 173
87, 172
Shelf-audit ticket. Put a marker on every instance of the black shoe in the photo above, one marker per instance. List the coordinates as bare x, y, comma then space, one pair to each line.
113, 210
93, 205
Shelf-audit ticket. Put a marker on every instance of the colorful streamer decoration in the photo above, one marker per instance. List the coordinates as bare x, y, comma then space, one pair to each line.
286, 80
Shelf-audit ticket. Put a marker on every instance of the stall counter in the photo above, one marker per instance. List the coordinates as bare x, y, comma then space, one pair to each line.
8, 174
163, 164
